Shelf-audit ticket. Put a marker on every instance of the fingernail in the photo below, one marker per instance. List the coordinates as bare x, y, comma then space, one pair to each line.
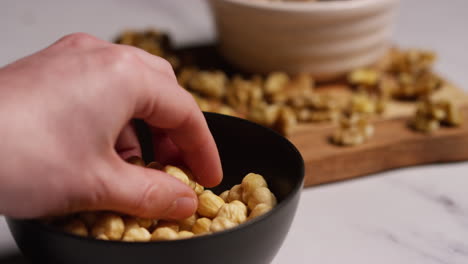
181, 207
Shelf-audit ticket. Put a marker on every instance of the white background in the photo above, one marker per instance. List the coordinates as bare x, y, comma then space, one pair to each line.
400, 216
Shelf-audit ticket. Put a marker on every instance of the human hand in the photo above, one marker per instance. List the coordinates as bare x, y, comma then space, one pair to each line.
65, 130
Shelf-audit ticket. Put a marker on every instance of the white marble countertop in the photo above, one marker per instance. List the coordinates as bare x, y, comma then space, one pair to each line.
415, 215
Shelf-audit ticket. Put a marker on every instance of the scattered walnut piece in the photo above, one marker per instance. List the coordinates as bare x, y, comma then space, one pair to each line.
414, 87
364, 77
152, 41
286, 121
407, 75
211, 84
243, 93
430, 115
264, 114
412, 61
353, 130
412, 70
264, 101
364, 103
275, 82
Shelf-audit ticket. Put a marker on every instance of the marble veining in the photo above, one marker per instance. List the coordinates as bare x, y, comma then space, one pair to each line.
445, 201
433, 245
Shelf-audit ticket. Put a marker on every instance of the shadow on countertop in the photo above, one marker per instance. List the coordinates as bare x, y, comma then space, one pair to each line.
14, 258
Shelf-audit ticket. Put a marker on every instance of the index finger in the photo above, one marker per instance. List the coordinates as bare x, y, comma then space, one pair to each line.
166, 105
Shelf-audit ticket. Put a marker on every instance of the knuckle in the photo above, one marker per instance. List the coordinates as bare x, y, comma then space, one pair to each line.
116, 54
190, 101
122, 64
77, 40
121, 60
166, 67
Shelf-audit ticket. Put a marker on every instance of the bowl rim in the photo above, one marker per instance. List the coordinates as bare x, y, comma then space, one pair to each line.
320, 6
256, 221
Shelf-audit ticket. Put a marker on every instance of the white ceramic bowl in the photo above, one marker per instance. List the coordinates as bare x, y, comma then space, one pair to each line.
322, 38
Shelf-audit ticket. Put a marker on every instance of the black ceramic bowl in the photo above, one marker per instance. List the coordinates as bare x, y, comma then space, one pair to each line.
244, 147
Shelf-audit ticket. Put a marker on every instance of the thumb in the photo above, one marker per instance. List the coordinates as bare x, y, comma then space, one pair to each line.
145, 192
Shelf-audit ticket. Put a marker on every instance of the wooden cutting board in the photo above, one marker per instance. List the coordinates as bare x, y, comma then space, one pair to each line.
394, 145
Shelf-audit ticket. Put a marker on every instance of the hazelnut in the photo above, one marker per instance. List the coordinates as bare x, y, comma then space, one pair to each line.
201, 226
235, 193
76, 227
261, 195
110, 225
155, 165
137, 234
89, 218
209, 204
185, 234
135, 160
236, 211
224, 195
187, 223
221, 223
169, 224
145, 222
130, 223
164, 233
250, 183
259, 209
177, 173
